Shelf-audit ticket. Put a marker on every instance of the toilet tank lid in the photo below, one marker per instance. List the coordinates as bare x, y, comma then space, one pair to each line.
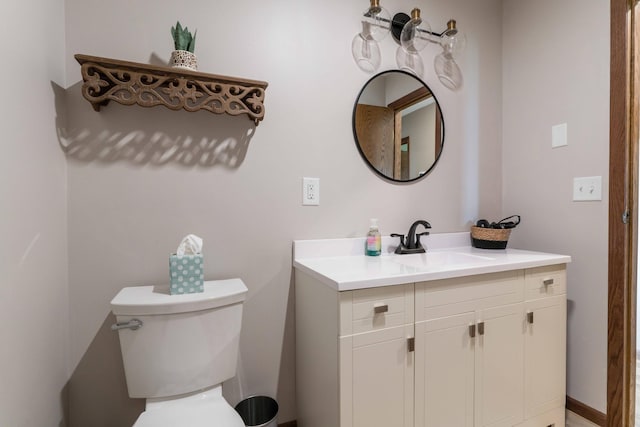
149, 300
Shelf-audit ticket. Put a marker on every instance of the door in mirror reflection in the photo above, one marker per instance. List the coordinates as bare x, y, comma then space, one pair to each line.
398, 126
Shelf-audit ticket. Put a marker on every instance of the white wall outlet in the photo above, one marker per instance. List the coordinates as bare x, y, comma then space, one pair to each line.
559, 135
310, 191
587, 188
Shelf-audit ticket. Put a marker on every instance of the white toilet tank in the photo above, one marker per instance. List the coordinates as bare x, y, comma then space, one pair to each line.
186, 342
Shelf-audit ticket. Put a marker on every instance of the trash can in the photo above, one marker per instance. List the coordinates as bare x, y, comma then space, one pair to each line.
258, 411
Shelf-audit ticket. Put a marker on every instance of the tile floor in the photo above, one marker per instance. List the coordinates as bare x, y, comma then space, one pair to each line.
573, 420
637, 385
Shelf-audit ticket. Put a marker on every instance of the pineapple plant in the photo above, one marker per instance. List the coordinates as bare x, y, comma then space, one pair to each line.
182, 38
185, 43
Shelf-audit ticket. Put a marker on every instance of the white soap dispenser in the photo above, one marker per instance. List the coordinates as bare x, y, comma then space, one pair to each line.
373, 245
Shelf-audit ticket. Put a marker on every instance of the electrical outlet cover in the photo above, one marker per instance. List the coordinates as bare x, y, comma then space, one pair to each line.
310, 191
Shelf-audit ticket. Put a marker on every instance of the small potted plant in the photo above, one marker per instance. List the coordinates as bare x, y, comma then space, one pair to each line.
185, 44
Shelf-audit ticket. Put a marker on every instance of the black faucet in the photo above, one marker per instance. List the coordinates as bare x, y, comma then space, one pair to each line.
412, 244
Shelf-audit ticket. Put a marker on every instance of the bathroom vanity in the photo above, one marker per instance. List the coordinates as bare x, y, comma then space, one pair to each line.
457, 336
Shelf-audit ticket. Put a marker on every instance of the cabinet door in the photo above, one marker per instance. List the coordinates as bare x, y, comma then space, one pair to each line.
545, 355
499, 388
444, 372
376, 379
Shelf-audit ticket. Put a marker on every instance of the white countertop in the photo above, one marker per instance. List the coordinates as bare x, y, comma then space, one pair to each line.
342, 265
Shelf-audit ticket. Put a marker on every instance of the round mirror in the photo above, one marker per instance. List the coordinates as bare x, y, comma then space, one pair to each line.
398, 126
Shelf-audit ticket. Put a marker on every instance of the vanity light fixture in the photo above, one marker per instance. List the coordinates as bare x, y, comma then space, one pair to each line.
412, 33
376, 23
453, 43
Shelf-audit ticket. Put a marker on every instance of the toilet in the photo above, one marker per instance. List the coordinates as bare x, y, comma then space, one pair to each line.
178, 349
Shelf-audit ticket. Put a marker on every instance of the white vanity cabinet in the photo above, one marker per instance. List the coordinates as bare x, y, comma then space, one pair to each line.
485, 350
376, 358
545, 346
469, 351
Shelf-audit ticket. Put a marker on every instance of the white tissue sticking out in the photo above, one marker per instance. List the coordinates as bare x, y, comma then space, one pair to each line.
190, 245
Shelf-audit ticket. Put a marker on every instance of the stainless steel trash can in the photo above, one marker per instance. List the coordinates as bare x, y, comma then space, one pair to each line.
258, 411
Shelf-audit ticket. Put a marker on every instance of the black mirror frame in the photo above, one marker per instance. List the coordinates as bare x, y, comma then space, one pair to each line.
355, 133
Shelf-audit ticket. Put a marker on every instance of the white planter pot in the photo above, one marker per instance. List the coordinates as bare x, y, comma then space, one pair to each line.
184, 59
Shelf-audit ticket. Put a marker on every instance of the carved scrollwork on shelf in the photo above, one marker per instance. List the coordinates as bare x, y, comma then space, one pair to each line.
130, 83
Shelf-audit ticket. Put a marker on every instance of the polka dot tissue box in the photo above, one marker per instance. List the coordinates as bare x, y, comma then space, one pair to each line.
186, 267
187, 274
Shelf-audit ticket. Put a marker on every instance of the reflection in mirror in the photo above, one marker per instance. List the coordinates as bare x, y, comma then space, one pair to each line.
398, 126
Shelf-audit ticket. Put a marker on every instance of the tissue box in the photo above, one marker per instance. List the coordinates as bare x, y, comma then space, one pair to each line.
186, 273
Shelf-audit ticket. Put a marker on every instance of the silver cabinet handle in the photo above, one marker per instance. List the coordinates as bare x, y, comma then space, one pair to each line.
472, 330
380, 309
133, 324
530, 317
481, 328
548, 282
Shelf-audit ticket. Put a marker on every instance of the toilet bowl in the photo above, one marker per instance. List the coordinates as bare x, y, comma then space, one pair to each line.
177, 351
204, 409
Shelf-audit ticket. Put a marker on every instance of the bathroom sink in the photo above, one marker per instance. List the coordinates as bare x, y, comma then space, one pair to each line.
341, 264
352, 267
437, 259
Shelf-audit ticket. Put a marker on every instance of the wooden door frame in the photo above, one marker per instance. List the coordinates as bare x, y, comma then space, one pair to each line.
622, 235
406, 140
398, 106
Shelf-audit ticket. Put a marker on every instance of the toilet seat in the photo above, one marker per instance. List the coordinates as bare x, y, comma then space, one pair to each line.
205, 409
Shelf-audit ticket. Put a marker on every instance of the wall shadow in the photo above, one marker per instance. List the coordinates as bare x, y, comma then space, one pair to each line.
153, 136
64, 404
96, 394
287, 383
97, 388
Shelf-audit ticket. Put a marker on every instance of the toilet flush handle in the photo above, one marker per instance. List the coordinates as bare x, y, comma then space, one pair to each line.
132, 324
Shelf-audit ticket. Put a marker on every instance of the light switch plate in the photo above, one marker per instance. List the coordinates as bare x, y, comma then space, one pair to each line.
587, 188
559, 135
310, 191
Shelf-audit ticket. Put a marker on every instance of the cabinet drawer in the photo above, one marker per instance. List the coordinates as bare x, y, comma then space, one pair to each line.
371, 309
440, 298
546, 281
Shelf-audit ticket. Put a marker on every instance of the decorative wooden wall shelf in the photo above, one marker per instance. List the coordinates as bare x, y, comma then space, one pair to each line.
147, 85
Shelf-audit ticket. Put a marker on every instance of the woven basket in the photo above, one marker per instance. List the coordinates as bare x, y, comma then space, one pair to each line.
489, 238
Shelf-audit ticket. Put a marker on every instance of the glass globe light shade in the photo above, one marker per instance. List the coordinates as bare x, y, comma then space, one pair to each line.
448, 71
376, 21
415, 33
366, 53
454, 44
411, 62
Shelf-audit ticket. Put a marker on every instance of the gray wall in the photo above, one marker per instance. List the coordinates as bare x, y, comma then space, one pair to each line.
34, 335
135, 185
420, 125
129, 207
556, 70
